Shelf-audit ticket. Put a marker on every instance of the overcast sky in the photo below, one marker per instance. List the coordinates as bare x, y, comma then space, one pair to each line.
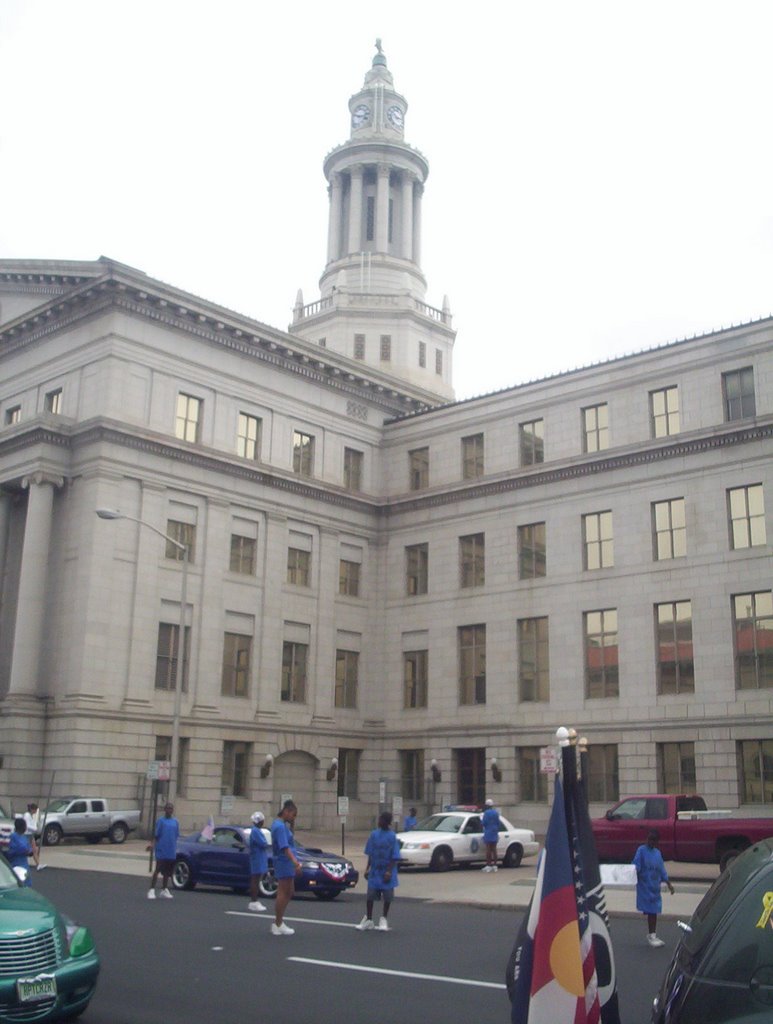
600, 173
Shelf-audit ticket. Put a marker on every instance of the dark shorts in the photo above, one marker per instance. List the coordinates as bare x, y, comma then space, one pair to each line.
376, 894
166, 867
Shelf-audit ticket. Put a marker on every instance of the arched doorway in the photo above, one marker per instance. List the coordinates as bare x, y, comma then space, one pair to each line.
294, 776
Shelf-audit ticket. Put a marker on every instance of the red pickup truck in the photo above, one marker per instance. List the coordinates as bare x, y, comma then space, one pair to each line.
688, 831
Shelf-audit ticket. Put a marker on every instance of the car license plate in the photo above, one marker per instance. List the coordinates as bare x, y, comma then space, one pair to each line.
32, 990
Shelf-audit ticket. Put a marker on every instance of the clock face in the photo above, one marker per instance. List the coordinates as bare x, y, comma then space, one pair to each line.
395, 117
360, 116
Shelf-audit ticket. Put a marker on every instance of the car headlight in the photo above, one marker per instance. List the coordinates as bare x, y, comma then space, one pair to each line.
79, 940
313, 864
418, 846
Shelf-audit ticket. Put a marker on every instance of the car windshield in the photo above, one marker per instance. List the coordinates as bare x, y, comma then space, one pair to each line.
439, 823
8, 879
58, 805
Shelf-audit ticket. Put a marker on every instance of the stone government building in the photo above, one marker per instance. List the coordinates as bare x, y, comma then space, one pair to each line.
389, 593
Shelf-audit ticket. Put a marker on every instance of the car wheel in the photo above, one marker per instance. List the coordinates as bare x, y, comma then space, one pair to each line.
442, 859
182, 877
728, 857
513, 856
117, 833
52, 835
325, 894
268, 886
93, 840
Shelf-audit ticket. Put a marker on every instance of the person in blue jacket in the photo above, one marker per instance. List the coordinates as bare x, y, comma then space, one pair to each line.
383, 852
490, 819
650, 872
164, 846
21, 847
258, 860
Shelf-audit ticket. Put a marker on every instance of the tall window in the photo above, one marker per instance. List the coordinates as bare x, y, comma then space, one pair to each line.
531, 551
347, 674
753, 630
738, 393
598, 540
385, 348
747, 516
415, 676
294, 659
595, 428
534, 783
531, 437
412, 774
471, 775
755, 758
664, 412
13, 415
603, 781
298, 567
422, 353
243, 554
416, 569
472, 664
303, 453
370, 218
167, 649
675, 667
472, 560
601, 657
248, 436
676, 767
348, 772
439, 362
236, 763
187, 424
472, 457
348, 578
418, 469
359, 346
235, 680
53, 402
669, 528
533, 659
353, 469
183, 533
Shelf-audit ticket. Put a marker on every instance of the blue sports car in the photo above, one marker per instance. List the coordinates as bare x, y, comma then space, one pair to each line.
224, 859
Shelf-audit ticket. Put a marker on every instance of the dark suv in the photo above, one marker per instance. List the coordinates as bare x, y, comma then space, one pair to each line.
722, 970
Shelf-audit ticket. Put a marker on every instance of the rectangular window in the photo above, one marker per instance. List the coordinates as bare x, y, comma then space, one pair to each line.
303, 453
598, 540
359, 346
531, 440
472, 560
166, 656
248, 437
601, 656
675, 667
53, 402
532, 559
471, 775
323, 342
370, 218
534, 783
416, 569
294, 659
669, 529
348, 578
595, 428
439, 362
348, 772
755, 758
472, 457
738, 392
235, 679
412, 774
188, 418
418, 469
415, 677
243, 554
603, 782
472, 664
347, 674
13, 415
236, 763
353, 461
676, 767
386, 348
664, 412
298, 567
533, 659
422, 353
747, 517
182, 533
753, 631
390, 218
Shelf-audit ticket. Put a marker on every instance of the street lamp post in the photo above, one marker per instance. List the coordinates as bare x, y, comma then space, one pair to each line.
112, 513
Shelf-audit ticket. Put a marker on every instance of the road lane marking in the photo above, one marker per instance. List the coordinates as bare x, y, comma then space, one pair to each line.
397, 974
302, 920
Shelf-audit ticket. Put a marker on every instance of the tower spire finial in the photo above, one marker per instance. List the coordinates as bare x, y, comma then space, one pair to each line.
379, 59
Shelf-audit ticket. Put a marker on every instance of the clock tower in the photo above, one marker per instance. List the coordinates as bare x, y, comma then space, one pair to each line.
372, 304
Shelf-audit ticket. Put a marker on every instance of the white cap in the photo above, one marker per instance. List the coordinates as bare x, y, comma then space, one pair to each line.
489, 803
257, 818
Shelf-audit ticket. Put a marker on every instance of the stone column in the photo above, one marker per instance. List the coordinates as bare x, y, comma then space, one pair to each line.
382, 209
5, 511
417, 222
355, 209
406, 240
334, 225
30, 607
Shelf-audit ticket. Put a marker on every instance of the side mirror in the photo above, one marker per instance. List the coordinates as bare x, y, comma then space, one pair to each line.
609, 816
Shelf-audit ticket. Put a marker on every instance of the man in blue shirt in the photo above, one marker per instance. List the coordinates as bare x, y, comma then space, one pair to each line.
286, 865
20, 848
258, 860
383, 852
164, 844
490, 818
410, 821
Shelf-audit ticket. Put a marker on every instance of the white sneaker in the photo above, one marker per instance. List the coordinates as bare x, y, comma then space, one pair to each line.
653, 940
494, 867
281, 929
257, 906
486, 867
151, 894
383, 925
165, 894
365, 925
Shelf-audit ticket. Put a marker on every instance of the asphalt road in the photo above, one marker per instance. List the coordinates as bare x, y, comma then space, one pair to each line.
201, 957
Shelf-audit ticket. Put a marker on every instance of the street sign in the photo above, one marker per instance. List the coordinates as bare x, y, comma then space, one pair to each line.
343, 806
548, 760
159, 771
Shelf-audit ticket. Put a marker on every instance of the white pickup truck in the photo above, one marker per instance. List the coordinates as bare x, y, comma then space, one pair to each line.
89, 817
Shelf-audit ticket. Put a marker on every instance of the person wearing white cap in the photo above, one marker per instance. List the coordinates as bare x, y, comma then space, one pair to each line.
258, 860
490, 818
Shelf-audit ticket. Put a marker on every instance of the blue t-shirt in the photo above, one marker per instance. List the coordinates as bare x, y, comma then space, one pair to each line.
410, 822
258, 851
650, 872
490, 825
167, 834
19, 849
384, 850
281, 841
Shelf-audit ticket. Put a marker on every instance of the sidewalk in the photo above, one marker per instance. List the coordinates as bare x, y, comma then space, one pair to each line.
505, 889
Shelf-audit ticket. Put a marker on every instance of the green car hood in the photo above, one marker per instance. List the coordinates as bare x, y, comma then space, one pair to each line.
26, 912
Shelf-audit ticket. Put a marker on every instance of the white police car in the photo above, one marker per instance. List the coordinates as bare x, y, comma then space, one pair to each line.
455, 836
